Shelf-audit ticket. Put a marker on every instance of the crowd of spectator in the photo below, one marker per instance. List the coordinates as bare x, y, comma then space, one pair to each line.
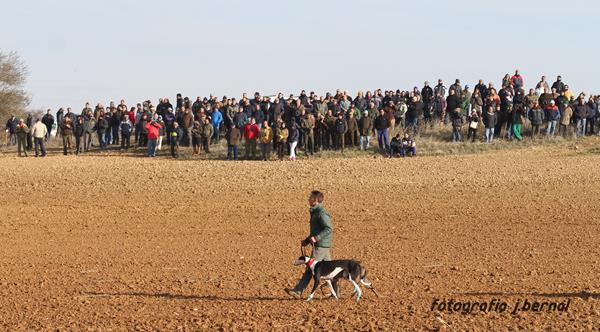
276, 126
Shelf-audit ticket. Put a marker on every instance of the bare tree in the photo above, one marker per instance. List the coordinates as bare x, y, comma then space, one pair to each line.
13, 73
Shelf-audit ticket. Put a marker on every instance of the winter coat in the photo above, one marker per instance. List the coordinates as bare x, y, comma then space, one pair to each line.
381, 123
321, 227
125, 127
266, 135
581, 111
341, 126
292, 135
22, 131
365, 125
207, 130
457, 120
490, 120
565, 117
536, 116
552, 113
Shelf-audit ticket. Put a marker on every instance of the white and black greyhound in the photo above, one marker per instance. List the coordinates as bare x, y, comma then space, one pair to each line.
332, 271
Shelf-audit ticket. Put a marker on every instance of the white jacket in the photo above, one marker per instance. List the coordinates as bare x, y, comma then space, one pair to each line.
39, 130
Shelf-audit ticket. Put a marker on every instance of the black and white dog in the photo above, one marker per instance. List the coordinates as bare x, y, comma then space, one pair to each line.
332, 271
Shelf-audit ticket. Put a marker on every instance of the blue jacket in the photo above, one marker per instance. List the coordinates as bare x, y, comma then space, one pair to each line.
217, 118
126, 127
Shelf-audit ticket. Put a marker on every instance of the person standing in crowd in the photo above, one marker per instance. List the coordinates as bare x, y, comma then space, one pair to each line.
152, 136
196, 137
142, 137
452, 103
67, 134
440, 89
266, 138
217, 120
125, 127
240, 119
592, 114
542, 86
553, 115
473, 125
59, 121
382, 126
233, 141
438, 110
29, 124
580, 110
518, 115
309, 143
78, 133
175, 139
320, 132
292, 139
490, 120
39, 133
21, 132
341, 127
565, 121
161, 133
352, 130
89, 127
559, 85
101, 128
108, 132
517, 81
365, 127
414, 113
188, 121
11, 130
330, 134
427, 98
304, 127
48, 121
207, 134
282, 137
251, 132
536, 117
320, 236
457, 123
457, 87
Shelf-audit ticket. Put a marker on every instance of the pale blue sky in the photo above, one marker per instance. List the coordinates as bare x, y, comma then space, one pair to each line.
80, 51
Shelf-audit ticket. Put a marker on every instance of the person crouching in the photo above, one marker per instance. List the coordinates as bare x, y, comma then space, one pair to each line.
408, 146
396, 146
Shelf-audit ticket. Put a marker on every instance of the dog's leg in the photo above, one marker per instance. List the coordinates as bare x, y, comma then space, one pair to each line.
315, 286
358, 291
356, 288
332, 290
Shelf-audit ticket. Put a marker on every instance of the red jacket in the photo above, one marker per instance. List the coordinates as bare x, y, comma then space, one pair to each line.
251, 131
153, 130
131, 116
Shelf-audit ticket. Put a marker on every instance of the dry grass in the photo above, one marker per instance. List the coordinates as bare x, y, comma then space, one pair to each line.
429, 143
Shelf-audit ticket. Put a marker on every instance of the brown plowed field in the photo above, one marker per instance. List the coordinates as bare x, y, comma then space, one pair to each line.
124, 243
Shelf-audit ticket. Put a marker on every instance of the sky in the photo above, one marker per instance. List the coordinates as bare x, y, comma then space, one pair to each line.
101, 51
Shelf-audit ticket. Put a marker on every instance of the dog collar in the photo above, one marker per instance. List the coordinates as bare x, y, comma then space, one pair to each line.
311, 264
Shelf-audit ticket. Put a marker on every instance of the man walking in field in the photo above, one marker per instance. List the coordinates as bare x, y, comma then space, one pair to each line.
321, 235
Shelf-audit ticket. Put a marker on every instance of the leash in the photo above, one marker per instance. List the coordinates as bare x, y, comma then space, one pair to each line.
303, 251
